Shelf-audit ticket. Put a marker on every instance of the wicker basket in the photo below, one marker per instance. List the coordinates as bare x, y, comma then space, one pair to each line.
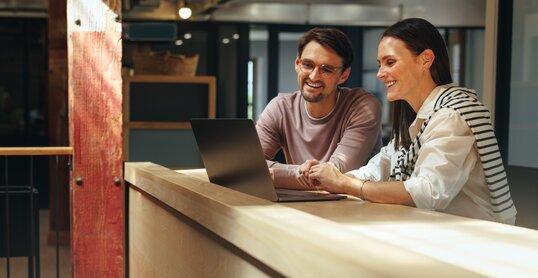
165, 63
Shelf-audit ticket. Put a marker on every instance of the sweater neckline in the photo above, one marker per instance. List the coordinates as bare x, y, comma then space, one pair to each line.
328, 114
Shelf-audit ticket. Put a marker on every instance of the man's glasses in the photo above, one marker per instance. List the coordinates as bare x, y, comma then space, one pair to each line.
307, 66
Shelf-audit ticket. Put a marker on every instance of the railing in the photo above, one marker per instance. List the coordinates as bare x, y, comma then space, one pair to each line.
32, 242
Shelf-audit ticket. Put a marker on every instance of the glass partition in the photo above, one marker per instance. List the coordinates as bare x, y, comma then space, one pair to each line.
523, 127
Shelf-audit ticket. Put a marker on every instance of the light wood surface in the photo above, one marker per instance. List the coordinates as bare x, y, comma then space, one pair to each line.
157, 125
164, 243
36, 150
337, 238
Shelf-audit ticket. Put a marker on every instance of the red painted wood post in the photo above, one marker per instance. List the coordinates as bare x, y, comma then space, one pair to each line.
95, 126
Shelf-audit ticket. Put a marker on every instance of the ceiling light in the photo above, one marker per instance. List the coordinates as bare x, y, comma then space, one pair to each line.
185, 12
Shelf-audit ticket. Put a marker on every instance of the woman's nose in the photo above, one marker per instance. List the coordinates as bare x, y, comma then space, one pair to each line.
380, 73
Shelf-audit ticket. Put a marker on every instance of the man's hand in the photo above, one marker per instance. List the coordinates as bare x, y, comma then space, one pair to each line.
272, 172
303, 172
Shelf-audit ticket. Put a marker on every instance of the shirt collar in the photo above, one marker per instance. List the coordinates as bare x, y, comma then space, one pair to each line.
427, 107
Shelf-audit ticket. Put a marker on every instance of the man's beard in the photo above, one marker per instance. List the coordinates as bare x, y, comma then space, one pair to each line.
312, 98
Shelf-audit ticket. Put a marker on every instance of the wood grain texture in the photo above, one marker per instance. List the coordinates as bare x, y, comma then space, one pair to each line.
95, 124
164, 243
158, 125
300, 239
483, 247
36, 151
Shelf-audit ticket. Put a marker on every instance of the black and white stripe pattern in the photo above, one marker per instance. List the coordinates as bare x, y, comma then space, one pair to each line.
477, 116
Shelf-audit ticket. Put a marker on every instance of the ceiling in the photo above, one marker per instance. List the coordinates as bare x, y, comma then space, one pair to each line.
462, 13
443, 13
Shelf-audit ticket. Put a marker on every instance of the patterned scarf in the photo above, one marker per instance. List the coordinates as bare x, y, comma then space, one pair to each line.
477, 116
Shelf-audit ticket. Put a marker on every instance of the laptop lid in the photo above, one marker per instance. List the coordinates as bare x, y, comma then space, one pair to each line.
233, 157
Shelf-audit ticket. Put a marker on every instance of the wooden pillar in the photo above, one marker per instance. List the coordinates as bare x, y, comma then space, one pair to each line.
95, 123
57, 114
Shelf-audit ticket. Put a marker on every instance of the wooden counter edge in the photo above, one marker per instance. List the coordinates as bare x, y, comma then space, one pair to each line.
289, 241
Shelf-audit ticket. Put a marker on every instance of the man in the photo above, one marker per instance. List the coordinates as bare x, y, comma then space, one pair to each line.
322, 121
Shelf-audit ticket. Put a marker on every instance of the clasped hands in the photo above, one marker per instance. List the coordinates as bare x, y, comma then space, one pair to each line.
314, 175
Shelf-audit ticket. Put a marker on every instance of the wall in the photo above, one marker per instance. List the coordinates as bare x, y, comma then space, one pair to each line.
287, 77
258, 51
474, 71
523, 129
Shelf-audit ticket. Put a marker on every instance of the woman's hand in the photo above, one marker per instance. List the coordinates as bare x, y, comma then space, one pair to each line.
328, 177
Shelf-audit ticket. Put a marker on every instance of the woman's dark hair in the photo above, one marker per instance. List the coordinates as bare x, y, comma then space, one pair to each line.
332, 38
418, 35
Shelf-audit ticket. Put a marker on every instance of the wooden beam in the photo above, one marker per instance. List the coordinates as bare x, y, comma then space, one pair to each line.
95, 124
58, 122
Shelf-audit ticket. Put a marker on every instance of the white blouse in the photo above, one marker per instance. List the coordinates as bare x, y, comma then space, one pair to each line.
448, 175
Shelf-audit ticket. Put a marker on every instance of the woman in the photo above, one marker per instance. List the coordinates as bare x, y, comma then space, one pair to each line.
443, 154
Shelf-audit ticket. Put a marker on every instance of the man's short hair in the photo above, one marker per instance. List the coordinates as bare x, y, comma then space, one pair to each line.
329, 37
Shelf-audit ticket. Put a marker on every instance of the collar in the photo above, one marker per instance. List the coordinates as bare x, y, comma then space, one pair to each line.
427, 107
326, 116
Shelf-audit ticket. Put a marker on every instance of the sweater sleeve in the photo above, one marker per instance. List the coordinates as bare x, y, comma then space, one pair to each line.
362, 135
270, 131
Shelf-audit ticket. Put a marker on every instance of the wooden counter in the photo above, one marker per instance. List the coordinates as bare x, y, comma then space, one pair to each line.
180, 225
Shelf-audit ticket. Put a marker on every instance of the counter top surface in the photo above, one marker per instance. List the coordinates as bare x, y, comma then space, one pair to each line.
488, 244
358, 232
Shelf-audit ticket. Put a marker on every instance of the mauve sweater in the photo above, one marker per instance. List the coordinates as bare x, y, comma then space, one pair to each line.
347, 137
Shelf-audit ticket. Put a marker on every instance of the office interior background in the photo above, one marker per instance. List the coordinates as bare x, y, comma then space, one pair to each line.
249, 46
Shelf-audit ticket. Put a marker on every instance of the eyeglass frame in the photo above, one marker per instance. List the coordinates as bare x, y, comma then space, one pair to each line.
324, 70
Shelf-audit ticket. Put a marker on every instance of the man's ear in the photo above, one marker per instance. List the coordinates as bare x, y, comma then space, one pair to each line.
344, 76
297, 64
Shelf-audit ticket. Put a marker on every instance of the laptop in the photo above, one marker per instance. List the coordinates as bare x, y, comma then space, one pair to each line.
233, 157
